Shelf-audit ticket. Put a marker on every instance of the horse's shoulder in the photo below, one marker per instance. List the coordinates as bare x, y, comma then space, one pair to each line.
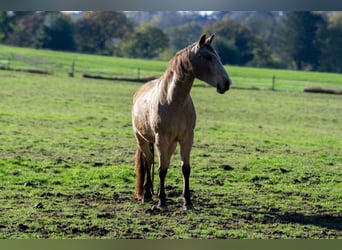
144, 89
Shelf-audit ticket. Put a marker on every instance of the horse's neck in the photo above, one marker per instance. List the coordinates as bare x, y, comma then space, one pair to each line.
176, 89
177, 81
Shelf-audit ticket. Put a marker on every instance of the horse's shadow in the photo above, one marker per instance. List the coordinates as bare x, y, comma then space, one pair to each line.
273, 215
321, 220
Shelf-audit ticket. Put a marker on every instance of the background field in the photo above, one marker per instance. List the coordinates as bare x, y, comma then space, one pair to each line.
266, 164
244, 77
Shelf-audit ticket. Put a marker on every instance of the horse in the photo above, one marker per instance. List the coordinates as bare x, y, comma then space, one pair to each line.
163, 115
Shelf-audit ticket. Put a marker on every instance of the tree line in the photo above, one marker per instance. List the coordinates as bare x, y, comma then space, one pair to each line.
301, 40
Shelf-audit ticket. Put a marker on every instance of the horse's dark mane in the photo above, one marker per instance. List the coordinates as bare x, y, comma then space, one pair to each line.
179, 64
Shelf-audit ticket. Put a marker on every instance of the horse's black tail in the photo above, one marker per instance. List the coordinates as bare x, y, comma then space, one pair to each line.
141, 167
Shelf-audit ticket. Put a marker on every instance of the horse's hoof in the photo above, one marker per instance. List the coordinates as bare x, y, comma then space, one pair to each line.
162, 206
146, 200
189, 207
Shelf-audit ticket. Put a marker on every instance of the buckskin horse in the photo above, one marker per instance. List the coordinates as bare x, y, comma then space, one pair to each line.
163, 115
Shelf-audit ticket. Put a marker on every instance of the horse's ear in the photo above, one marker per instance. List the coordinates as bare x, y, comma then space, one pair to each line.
201, 42
210, 39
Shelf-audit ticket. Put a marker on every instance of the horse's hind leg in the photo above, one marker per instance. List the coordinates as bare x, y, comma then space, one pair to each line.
185, 157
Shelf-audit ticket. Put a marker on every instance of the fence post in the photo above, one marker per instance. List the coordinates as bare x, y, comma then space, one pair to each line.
138, 76
273, 83
71, 72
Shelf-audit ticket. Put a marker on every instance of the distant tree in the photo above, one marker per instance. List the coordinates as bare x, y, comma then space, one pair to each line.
238, 39
227, 50
331, 58
26, 26
301, 38
97, 31
140, 17
6, 24
262, 24
184, 35
262, 55
166, 19
56, 32
146, 42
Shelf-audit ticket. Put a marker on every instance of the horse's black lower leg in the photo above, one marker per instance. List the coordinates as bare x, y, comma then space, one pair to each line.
186, 189
147, 196
161, 192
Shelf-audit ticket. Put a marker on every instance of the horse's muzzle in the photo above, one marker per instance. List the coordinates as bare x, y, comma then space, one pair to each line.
224, 88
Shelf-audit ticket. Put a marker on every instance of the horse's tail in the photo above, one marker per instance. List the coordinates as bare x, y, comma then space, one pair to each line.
152, 151
141, 166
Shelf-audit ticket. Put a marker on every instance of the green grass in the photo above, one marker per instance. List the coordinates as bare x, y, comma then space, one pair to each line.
265, 164
60, 62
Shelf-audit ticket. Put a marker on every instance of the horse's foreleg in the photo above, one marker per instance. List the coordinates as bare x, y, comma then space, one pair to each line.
185, 157
161, 192
165, 150
186, 189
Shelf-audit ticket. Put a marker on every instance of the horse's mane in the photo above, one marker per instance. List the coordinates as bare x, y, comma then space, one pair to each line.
179, 64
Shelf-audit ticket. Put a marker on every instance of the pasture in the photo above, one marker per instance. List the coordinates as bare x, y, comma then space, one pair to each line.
265, 164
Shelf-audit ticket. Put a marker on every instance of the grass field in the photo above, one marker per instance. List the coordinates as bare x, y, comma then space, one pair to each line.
265, 164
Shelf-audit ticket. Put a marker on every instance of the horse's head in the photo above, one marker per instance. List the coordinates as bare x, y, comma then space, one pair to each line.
207, 66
